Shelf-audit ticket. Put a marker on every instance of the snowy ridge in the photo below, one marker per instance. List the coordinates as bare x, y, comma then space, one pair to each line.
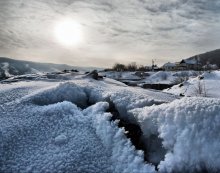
12, 67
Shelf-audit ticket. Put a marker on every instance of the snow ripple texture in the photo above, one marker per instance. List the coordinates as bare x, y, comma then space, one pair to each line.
58, 136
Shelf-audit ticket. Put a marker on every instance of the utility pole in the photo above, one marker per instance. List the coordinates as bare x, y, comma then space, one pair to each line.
153, 61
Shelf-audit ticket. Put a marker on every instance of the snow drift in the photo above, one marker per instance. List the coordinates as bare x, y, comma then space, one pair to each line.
189, 130
63, 92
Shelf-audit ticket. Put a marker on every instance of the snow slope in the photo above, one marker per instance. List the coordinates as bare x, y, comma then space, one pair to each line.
63, 125
206, 85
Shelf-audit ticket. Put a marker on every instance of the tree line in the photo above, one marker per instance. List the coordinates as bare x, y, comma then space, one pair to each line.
129, 67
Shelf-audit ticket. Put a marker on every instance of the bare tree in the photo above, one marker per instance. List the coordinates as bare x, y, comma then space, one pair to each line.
200, 88
141, 68
132, 66
119, 67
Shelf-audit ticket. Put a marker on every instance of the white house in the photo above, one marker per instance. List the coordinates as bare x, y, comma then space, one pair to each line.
169, 66
189, 64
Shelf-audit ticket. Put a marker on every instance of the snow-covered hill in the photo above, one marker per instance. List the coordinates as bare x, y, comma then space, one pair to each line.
211, 57
66, 124
10, 67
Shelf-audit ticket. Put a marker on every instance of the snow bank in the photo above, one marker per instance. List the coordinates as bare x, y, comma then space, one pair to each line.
206, 85
160, 77
189, 129
170, 77
63, 92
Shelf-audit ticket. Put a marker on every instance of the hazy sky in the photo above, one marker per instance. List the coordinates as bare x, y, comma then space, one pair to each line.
112, 30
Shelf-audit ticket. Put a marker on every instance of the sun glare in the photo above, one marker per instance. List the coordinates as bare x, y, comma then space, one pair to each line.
68, 32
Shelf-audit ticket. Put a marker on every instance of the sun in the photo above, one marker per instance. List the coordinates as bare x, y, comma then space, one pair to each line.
68, 32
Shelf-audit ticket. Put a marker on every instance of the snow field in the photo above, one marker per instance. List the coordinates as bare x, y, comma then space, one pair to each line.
65, 127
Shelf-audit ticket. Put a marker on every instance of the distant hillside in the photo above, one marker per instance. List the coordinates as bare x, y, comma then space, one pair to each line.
10, 67
213, 57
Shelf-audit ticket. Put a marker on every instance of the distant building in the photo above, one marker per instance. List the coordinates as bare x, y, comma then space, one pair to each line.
155, 68
189, 64
185, 64
169, 66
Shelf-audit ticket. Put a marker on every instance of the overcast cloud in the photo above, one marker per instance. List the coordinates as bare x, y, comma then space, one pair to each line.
113, 31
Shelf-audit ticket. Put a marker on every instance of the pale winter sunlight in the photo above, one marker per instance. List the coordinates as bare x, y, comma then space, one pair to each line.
68, 32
